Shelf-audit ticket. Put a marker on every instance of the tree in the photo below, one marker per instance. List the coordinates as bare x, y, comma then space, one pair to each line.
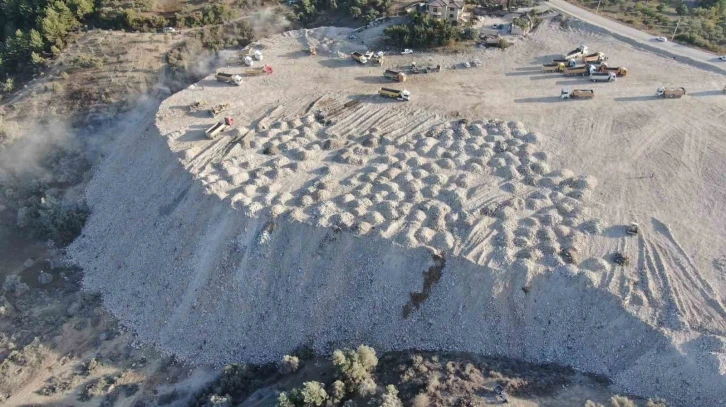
390, 397
314, 394
355, 12
660, 7
682, 9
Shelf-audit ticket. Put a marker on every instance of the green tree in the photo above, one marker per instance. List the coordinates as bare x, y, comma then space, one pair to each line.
682, 9
660, 7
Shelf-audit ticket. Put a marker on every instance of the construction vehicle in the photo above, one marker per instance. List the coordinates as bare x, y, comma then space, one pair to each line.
228, 78
378, 58
217, 109
618, 70
196, 106
360, 58
554, 67
594, 58
395, 75
267, 69
256, 55
632, 229
395, 94
582, 70
670, 93
312, 50
577, 53
577, 94
602, 76
567, 62
247, 61
476, 62
219, 127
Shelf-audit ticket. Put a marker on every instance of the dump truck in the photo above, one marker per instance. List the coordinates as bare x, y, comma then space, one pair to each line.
395, 75
267, 69
577, 94
219, 127
617, 70
576, 53
602, 77
360, 58
670, 93
594, 58
395, 94
582, 70
229, 78
378, 58
554, 67
567, 62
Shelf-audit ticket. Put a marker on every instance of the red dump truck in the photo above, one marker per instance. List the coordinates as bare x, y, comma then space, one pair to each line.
219, 127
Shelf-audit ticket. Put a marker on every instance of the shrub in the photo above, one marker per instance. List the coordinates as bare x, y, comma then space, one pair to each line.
656, 403
290, 364
87, 61
390, 397
314, 394
337, 391
682, 9
621, 401
355, 367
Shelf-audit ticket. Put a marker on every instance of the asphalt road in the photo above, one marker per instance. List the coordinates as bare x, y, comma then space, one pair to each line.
645, 39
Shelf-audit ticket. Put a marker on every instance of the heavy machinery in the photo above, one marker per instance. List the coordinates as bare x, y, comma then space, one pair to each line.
228, 78
632, 229
312, 50
217, 109
670, 93
267, 69
618, 70
577, 94
602, 76
395, 94
582, 70
554, 67
567, 62
395, 75
196, 106
358, 57
428, 69
594, 58
577, 53
219, 127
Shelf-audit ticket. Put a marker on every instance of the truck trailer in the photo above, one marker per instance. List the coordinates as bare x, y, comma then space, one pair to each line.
229, 78
395, 75
577, 94
395, 94
602, 77
553, 67
617, 70
670, 93
219, 127
582, 70
594, 58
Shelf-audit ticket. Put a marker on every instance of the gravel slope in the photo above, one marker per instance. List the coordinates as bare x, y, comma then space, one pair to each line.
398, 225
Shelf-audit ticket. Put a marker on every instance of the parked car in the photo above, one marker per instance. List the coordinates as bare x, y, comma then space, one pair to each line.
722, 57
352, 37
407, 51
661, 39
467, 65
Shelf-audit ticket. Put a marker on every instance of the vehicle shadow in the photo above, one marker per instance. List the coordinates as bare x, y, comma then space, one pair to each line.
523, 73
635, 98
336, 63
296, 54
374, 98
528, 68
374, 79
706, 93
546, 58
573, 81
543, 99
548, 76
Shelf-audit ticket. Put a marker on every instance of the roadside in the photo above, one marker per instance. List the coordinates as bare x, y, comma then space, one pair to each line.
683, 53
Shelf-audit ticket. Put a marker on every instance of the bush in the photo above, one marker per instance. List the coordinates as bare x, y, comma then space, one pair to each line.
390, 397
682, 9
621, 401
314, 394
87, 61
656, 403
337, 392
290, 364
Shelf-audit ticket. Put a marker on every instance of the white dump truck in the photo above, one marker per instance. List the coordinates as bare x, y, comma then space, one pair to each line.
395, 94
358, 57
577, 53
219, 127
229, 78
577, 94
670, 93
603, 76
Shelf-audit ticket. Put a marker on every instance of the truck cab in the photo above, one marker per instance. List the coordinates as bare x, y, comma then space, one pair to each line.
403, 95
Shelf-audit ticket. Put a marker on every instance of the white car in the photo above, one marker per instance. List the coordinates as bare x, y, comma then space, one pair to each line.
661, 39
407, 51
722, 57
467, 65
